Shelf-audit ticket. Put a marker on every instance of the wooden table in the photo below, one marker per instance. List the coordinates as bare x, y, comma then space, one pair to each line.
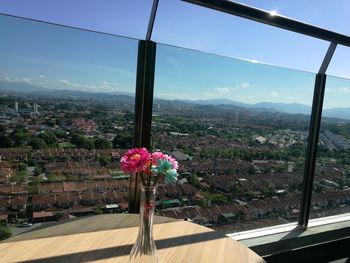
109, 238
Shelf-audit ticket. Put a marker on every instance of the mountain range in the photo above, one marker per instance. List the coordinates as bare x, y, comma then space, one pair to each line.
292, 108
124, 97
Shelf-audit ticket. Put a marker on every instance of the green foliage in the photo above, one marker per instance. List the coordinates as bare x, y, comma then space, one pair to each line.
215, 199
33, 187
5, 141
22, 167
235, 189
37, 143
193, 180
101, 143
19, 137
5, 232
19, 177
49, 138
104, 161
58, 215
3, 129
269, 190
98, 210
81, 142
123, 141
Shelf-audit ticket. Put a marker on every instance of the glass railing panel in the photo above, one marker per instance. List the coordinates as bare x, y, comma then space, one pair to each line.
124, 18
66, 113
331, 191
220, 33
239, 131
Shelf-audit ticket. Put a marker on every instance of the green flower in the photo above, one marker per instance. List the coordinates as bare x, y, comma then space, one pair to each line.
171, 176
165, 167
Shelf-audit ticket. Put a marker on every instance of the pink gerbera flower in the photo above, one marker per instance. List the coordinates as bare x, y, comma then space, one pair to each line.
172, 160
135, 160
157, 156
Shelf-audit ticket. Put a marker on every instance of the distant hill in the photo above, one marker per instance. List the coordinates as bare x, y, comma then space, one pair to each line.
20, 87
342, 113
293, 108
219, 102
17, 88
125, 97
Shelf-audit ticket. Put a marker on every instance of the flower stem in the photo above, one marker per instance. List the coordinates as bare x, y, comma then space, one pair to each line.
143, 180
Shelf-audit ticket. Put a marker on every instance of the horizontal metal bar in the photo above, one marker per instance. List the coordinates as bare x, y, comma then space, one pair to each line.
268, 18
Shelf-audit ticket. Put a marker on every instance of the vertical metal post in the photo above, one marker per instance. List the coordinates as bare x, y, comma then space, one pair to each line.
311, 153
314, 131
143, 110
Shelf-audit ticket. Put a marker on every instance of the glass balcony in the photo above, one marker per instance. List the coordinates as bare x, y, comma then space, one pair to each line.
331, 186
239, 130
67, 114
72, 101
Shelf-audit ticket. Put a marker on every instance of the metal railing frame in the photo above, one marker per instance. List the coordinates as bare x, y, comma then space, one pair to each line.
145, 86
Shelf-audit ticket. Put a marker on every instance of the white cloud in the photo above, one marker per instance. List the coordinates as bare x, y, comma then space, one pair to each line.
273, 93
68, 83
223, 90
104, 86
63, 81
5, 78
244, 85
328, 90
27, 80
9, 79
344, 90
41, 76
227, 89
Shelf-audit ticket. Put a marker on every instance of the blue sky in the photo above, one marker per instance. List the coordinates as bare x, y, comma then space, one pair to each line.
58, 57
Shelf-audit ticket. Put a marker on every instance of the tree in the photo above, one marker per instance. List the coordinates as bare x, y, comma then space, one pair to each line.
19, 177
88, 144
269, 190
104, 161
81, 142
22, 167
101, 143
5, 141
3, 129
218, 199
98, 210
37, 143
5, 232
193, 180
49, 138
19, 137
123, 141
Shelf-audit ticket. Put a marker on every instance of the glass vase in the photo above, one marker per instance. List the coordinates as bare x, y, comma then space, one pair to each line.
144, 249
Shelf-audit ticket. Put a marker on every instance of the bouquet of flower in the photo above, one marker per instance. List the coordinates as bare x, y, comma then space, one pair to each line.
150, 166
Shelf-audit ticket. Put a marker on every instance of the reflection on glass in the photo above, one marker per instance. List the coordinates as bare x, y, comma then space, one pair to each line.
66, 111
238, 130
332, 176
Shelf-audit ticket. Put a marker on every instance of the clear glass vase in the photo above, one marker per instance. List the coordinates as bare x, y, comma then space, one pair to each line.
144, 249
